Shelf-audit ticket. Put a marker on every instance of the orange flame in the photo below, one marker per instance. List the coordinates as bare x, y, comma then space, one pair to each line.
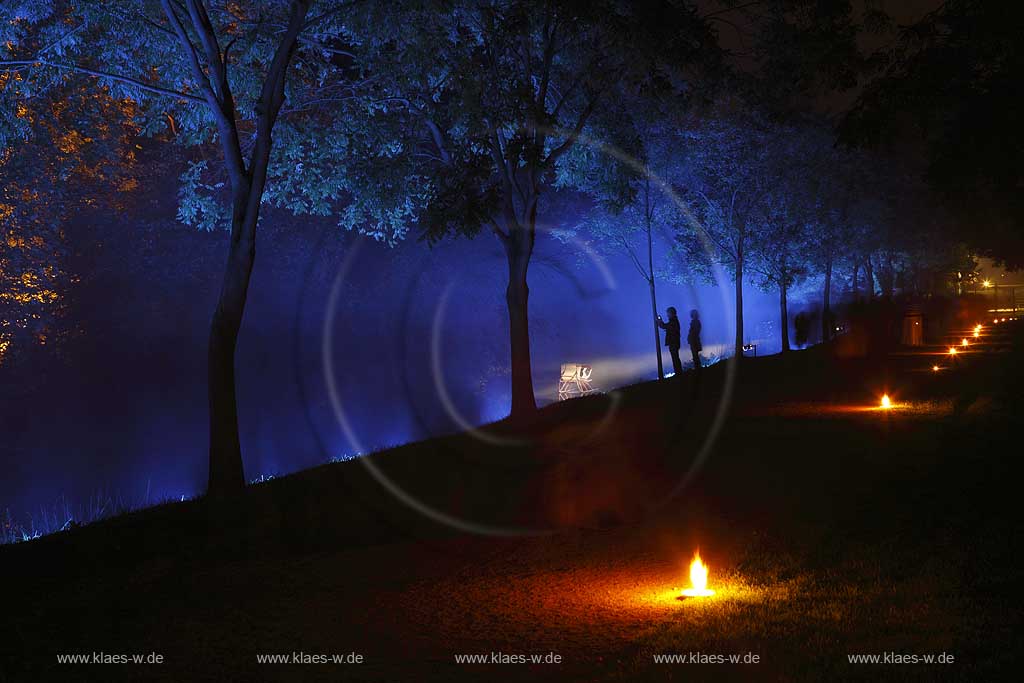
698, 579
886, 403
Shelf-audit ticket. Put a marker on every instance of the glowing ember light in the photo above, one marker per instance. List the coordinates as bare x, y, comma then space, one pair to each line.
935, 368
698, 579
886, 403
952, 350
986, 283
995, 321
963, 342
976, 334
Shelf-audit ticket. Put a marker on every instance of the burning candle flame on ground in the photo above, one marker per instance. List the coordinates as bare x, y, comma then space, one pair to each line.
886, 403
698, 579
952, 350
935, 368
963, 342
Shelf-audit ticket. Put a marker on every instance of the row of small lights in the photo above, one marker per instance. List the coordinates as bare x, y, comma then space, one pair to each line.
699, 570
964, 343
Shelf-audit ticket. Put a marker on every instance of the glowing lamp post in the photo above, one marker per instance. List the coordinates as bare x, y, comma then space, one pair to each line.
698, 579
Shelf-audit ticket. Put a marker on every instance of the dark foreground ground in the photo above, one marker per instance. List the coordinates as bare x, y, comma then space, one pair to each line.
831, 529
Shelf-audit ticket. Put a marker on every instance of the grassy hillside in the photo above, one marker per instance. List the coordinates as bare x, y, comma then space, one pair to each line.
831, 528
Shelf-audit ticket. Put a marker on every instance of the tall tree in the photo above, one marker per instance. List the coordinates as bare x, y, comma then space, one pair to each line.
728, 169
220, 74
632, 188
518, 84
786, 210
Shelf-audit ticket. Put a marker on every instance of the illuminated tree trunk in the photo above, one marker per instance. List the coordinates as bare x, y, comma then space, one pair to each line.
869, 276
226, 470
650, 278
657, 334
248, 181
826, 304
784, 313
738, 351
519, 248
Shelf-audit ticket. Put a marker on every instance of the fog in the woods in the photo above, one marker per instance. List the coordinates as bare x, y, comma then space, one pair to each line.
124, 415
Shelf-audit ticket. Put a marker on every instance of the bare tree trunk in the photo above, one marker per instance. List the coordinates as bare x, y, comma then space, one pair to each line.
869, 275
225, 465
826, 307
657, 335
654, 298
784, 313
519, 248
889, 271
738, 350
248, 181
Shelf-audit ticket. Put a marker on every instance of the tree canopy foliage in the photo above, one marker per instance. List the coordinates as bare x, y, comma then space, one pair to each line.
952, 79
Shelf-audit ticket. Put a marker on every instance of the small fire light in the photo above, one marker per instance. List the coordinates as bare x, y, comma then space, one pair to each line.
698, 579
963, 342
935, 368
886, 403
952, 350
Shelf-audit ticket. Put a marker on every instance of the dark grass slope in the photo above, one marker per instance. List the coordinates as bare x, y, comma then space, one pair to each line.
854, 530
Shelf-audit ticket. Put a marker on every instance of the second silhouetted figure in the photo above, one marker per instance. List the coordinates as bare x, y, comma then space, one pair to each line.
693, 338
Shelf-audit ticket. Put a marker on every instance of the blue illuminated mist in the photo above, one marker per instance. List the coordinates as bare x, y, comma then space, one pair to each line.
125, 413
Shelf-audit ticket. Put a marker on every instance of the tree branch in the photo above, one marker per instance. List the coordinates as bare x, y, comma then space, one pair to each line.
225, 118
574, 135
141, 85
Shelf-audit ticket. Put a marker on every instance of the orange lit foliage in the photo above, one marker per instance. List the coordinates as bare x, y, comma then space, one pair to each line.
56, 173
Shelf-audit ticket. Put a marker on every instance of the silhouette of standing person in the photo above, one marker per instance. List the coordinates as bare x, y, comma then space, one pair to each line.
693, 338
672, 338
